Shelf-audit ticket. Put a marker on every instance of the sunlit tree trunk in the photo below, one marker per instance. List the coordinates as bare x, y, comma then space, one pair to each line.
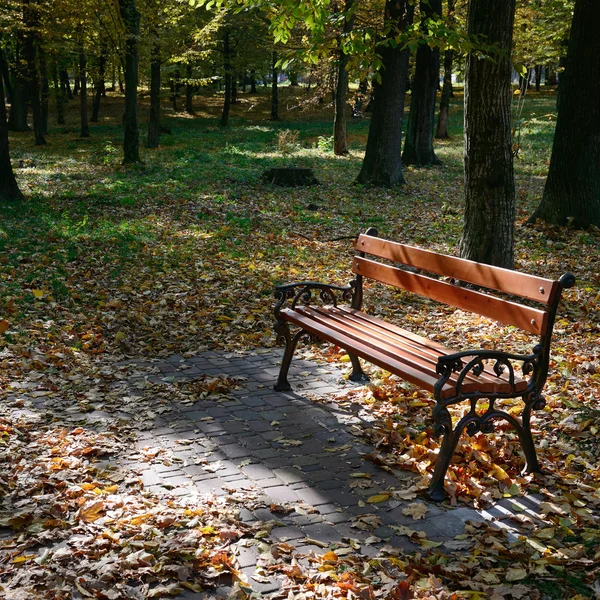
189, 90
131, 140
99, 83
572, 191
442, 123
382, 164
488, 226
418, 143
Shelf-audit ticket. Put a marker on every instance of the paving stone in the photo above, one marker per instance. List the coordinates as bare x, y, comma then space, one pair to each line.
257, 471
289, 475
323, 532
281, 494
313, 497
289, 532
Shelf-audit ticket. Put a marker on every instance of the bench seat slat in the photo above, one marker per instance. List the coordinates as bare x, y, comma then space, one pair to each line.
509, 313
417, 348
519, 284
387, 349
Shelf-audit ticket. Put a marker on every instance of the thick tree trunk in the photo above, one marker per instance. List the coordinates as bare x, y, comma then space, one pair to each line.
274, 90
131, 139
253, 82
382, 164
488, 227
65, 84
340, 142
572, 191
85, 129
227, 68
418, 143
154, 120
31, 20
538, 77
99, 84
4, 73
9, 189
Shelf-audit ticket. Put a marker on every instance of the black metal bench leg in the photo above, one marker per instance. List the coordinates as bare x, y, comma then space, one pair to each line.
526, 439
447, 448
357, 373
283, 333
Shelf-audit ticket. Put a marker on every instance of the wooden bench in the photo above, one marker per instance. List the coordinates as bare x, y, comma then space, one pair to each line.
452, 377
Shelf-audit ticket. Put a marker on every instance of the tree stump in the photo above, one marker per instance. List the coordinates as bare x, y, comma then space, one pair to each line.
290, 176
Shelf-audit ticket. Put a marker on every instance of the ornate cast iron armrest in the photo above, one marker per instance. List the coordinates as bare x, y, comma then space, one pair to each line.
302, 291
471, 362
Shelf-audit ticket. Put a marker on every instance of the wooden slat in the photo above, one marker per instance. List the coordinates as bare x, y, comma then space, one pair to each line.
412, 345
361, 349
509, 313
504, 280
327, 323
392, 344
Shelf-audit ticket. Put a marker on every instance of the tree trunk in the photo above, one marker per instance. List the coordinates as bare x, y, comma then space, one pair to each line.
131, 139
9, 189
382, 164
227, 68
154, 120
4, 72
572, 190
340, 142
59, 95
253, 82
274, 90
418, 143
234, 90
488, 226
189, 90
85, 129
538, 77
99, 85
442, 124
45, 89
31, 20
65, 84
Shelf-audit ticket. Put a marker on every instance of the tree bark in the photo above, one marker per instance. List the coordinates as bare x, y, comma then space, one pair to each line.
418, 143
488, 226
340, 142
66, 85
227, 68
45, 89
31, 20
274, 90
99, 84
189, 90
572, 191
442, 123
59, 95
9, 189
154, 120
4, 72
131, 139
85, 129
382, 164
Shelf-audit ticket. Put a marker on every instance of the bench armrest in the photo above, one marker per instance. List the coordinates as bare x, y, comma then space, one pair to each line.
303, 291
471, 362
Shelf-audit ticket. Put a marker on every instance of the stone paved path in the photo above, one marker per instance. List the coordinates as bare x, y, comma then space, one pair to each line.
288, 449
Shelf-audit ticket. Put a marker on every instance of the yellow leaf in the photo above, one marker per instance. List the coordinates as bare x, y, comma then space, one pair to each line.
4, 325
417, 510
37, 293
111, 489
378, 498
24, 558
91, 513
330, 557
119, 337
499, 473
345, 358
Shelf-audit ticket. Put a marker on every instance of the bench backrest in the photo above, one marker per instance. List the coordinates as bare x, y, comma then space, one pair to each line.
521, 285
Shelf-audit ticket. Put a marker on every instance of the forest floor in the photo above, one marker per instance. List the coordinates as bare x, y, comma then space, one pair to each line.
102, 264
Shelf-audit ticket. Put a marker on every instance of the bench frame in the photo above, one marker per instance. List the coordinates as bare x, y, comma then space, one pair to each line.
452, 369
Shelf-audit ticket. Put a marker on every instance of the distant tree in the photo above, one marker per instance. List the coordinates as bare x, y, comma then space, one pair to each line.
382, 164
340, 142
9, 189
418, 142
442, 122
572, 189
488, 226
131, 140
